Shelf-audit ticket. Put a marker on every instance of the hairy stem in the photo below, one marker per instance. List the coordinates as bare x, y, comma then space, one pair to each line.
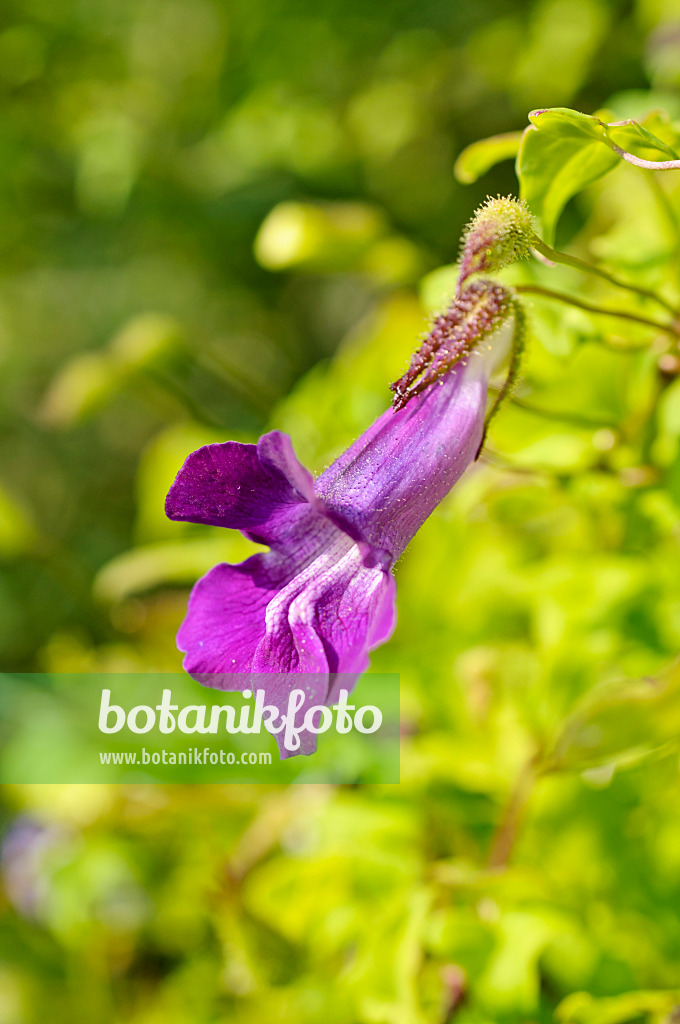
548, 293
509, 826
573, 261
638, 161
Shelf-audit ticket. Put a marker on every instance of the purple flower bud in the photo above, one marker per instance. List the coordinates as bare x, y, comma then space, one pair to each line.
472, 316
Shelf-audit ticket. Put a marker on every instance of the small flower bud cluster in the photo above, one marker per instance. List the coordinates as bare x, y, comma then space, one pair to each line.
500, 233
475, 312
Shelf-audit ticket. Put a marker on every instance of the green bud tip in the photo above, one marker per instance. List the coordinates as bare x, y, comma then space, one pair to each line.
501, 232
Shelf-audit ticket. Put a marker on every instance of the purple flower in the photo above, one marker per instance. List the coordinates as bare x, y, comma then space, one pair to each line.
323, 595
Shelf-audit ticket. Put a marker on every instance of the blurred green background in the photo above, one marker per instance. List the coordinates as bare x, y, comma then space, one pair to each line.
219, 217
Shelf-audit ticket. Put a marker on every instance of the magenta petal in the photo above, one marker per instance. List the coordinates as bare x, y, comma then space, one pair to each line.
278, 688
350, 608
290, 625
325, 622
254, 488
233, 609
225, 618
290, 642
329, 616
275, 452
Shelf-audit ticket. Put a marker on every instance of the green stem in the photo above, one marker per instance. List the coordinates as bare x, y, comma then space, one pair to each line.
573, 261
548, 293
509, 827
518, 342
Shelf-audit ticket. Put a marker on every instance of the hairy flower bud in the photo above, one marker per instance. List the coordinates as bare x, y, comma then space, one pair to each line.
501, 232
476, 312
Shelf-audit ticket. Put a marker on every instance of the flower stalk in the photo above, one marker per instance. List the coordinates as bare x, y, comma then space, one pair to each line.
548, 293
554, 256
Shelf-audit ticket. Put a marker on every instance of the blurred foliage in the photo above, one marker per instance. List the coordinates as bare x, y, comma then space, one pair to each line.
222, 217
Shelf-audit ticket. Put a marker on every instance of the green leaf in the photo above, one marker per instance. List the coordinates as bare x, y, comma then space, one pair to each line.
89, 380
634, 137
561, 154
153, 565
476, 159
510, 982
318, 236
621, 723
582, 1008
565, 151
